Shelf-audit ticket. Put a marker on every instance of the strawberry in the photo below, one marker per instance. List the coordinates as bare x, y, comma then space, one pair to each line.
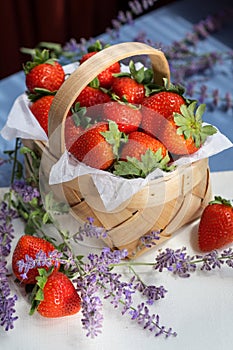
40, 108
106, 77
127, 89
138, 143
127, 116
29, 245
43, 72
97, 146
157, 107
91, 96
184, 133
130, 87
140, 155
76, 122
216, 225
60, 297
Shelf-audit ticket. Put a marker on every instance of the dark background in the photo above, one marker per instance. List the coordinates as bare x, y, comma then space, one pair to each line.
24, 23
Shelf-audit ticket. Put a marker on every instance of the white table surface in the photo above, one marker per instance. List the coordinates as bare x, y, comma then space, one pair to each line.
199, 309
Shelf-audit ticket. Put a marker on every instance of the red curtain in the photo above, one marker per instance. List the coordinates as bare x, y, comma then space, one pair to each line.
24, 23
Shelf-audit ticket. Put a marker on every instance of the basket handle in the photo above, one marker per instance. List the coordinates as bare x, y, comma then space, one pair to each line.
85, 73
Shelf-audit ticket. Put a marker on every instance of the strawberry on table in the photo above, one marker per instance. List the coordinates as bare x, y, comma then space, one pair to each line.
216, 225
43, 72
127, 116
184, 132
29, 245
40, 109
59, 296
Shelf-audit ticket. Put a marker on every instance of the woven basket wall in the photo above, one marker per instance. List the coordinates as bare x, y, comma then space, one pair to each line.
164, 204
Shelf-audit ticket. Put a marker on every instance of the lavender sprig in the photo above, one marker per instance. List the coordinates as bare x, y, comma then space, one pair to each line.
7, 302
89, 230
182, 264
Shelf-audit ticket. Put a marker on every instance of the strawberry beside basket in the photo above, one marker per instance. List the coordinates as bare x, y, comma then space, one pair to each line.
163, 204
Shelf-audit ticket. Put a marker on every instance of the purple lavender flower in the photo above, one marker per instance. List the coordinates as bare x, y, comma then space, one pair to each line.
177, 261
6, 213
210, 261
148, 240
6, 237
7, 302
89, 230
27, 192
41, 259
150, 322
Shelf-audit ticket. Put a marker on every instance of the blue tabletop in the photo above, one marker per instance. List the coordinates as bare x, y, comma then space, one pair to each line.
165, 25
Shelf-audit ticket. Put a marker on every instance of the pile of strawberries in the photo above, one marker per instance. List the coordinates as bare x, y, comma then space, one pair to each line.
121, 122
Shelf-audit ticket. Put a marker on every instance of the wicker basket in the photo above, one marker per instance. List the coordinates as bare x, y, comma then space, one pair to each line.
164, 204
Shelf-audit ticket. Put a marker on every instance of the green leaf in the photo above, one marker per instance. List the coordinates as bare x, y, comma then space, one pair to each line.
114, 137
149, 162
221, 200
190, 123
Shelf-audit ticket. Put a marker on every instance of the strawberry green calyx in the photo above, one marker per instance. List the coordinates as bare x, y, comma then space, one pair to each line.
220, 200
79, 115
40, 92
97, 46
167, 86
37, 293
39, 57
150, 161
114, 137
190, 123
142, 75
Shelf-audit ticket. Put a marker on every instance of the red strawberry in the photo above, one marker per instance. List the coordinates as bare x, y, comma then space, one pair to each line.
76, 122
29, 245
72, 131
127, 116
128, 89
184, 133
43, 72
91, 96
92, 148
40, 108
141, 155
106, 77
216, 225
60, 297
138, 143
157, 107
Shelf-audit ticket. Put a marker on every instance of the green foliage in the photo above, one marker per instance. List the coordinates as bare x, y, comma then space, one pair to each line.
37, 294
150, 161
114, 137
190, 123
39, 57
